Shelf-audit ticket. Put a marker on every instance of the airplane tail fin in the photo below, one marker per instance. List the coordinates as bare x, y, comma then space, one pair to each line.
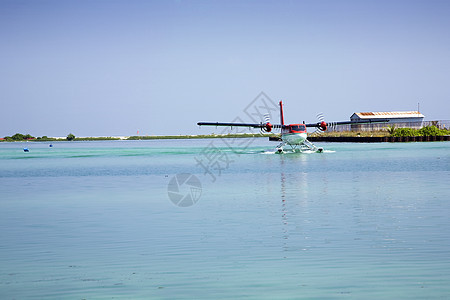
281, 113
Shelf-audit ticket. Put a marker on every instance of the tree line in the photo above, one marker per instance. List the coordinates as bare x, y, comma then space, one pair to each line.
27, 137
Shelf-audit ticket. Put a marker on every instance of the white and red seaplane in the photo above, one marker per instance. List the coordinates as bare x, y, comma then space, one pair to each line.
294, 135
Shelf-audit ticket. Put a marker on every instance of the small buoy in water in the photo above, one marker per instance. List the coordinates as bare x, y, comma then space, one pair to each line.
26, 150
50, 145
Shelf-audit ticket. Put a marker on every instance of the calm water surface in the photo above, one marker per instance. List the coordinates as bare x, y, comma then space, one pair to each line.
93, 220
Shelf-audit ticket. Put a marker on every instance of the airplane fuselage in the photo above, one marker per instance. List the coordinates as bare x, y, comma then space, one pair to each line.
294, 138
294, 134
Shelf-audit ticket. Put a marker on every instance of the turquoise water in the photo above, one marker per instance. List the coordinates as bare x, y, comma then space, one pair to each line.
93, 220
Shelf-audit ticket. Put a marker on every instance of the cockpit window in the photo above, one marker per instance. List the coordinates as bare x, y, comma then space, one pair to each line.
298, 127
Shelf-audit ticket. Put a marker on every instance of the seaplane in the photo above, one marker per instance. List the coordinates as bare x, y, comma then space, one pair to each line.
293, 135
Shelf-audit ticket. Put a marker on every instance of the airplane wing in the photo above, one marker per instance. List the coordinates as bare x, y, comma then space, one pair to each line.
265, 126
268, 126
323, 125
253, 125
348, 122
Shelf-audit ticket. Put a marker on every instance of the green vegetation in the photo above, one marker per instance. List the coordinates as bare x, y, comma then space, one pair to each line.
19, 137
405, 132
391, 129
70, 137
424, 131
433, 131
45, 139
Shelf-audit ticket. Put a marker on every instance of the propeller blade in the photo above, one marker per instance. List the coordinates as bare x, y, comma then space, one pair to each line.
320, 117
332, 126
316, 132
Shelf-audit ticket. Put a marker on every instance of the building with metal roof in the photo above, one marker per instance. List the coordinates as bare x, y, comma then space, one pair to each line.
394, 115
412, 119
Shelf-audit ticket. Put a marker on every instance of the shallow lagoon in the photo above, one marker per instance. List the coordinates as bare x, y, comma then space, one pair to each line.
93, 220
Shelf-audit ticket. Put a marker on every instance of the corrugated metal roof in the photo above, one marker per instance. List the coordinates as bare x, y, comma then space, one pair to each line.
390, 114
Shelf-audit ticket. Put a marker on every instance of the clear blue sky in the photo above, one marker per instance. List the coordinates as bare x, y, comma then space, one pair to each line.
101, 68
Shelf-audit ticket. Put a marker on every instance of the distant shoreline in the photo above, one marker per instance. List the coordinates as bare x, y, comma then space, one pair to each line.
337, 137
145, 137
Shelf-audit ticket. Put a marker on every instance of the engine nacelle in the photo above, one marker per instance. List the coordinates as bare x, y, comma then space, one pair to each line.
323, 126
268, 127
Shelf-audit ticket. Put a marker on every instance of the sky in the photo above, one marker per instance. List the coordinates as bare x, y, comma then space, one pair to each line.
113, 68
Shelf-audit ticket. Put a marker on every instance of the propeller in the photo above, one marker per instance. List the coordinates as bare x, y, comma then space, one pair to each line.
268, 126
321, 126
